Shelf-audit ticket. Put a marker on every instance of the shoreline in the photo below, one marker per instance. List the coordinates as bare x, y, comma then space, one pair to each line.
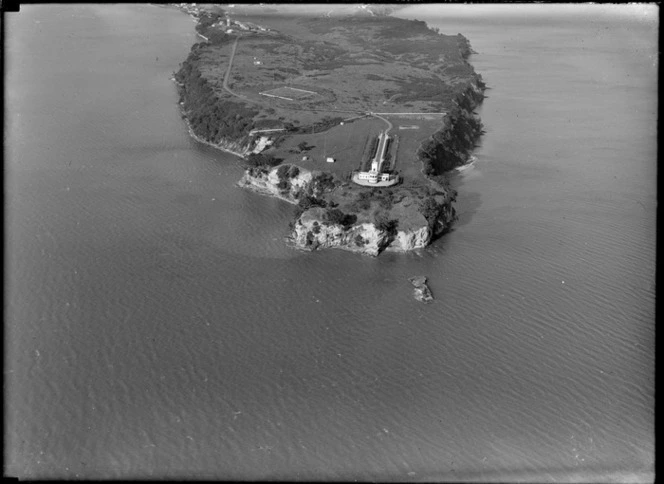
424, 216
198, 138
209, 143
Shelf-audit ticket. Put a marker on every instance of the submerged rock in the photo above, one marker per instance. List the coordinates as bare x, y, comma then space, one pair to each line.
421, 292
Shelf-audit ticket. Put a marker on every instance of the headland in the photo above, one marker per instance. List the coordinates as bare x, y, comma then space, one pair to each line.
352, 114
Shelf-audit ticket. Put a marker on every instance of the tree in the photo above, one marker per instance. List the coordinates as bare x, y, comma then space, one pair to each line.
293, 171
336, 216
383, 223
430, 209
282, 172
304, 146
262, 159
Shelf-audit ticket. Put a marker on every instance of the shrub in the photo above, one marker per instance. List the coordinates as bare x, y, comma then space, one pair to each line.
262, 159
307, 201
293, 171
336, 216
430, 209
359, 241
325, 181
383, 223
282, 172
304, 146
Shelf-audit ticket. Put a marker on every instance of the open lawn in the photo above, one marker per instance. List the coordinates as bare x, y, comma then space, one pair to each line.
353, 62
409, 141
346, 144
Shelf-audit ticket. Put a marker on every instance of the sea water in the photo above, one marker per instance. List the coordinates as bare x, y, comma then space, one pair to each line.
158, 325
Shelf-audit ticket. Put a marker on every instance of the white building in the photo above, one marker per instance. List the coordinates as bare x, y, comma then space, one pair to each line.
374, 175
330, 159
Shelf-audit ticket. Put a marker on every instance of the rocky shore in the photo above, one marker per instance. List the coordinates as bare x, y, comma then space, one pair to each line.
402, 227
332, 212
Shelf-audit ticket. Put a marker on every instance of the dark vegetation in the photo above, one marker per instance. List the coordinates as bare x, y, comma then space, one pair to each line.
210, 115
323, 182
337, 217
304, 146
385, 198
430, 209
402, 60
286, 173
382, 222
449, 147
322, 125
262, 160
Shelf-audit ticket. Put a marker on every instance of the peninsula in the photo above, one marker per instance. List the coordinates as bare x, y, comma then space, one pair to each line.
349, 113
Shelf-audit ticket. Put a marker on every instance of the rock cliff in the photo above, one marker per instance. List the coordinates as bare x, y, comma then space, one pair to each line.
328, 215
450, 146
226, 101
267, 182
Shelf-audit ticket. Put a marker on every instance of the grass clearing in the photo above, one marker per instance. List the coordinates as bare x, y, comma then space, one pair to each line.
346, 144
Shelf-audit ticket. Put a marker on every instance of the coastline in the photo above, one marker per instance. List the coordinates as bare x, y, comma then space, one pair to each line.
210, 143
198, 138
332, 213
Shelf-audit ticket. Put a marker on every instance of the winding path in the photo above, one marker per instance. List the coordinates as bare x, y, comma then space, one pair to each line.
389, 124
228, 71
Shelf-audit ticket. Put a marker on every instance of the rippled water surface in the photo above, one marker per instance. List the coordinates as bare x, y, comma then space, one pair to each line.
157, 324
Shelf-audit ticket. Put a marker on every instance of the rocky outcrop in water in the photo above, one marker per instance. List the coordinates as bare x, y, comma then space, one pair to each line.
421, 292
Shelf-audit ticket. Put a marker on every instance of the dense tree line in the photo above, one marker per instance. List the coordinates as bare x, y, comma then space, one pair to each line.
337, 217
318, 127
449, 147
211, 116
262, 160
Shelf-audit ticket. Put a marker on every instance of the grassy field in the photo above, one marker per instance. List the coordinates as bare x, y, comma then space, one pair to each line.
346, 144
409, 141
355, 63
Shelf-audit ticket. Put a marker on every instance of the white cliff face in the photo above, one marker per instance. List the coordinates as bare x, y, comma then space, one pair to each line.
311, 233
267, 183
411, 239
233, 147
262, 143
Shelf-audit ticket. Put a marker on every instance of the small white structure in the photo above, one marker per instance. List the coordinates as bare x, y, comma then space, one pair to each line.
372, 178
330, 159
375, 177
305, 158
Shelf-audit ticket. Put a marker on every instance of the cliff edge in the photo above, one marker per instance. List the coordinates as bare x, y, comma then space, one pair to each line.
316, 96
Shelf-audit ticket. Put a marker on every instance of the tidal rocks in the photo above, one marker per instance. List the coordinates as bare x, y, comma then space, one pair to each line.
421, 292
